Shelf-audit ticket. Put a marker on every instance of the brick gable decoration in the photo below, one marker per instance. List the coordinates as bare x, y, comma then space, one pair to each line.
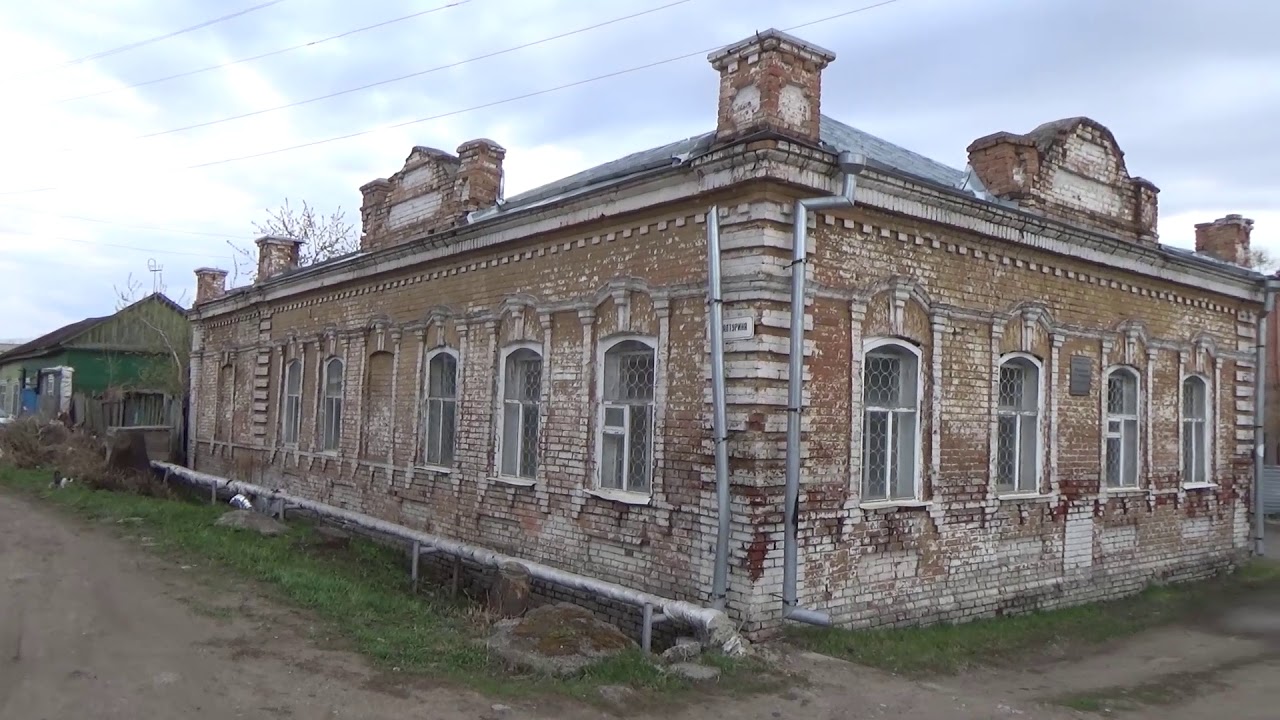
1014, 396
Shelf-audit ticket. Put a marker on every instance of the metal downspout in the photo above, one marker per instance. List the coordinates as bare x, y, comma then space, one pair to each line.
1261, 377
720, 582
850, 166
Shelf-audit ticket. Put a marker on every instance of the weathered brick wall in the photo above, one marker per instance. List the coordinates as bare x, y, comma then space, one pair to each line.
967, 301
565, 295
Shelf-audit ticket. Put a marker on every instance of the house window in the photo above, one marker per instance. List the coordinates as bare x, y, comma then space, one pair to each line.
1018, 426
1195, 431
291, 418
331, 422
626, 416
891, 421
1121, 436
440, 409
521, 393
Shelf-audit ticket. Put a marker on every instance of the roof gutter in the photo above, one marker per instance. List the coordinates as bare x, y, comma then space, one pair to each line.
1261, 377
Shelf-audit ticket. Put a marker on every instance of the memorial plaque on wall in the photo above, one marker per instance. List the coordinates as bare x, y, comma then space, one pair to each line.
1081, 374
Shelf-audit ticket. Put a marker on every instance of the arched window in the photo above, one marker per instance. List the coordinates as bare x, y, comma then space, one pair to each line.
331, 415
1195, 431
291, 417
440, 409
1121, 428
891, 421
521, 395
1018, 426
626, 416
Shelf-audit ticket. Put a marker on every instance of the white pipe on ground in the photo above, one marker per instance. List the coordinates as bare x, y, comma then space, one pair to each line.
715, 627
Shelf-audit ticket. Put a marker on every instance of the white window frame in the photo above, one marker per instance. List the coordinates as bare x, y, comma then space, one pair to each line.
1205, 431
601, 362
291, 422
1136, 417
501, 418
1038, 481
327, 406
869, 346
424, 407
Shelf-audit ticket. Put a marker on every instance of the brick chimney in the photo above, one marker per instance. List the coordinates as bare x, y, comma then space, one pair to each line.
479, 181
1226, 239
276, 255
373, 211
211, 284
770, 82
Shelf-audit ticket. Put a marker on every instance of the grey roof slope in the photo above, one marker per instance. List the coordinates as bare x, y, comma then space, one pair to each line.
833, 133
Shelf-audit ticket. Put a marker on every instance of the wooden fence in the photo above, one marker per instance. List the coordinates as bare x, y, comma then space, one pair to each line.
161, 418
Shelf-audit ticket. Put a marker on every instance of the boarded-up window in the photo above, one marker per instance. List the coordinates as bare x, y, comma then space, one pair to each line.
225, 405
377, 406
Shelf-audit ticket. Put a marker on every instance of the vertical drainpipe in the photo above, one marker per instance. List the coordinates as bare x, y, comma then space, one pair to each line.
1260, 379
850, 166
720, 582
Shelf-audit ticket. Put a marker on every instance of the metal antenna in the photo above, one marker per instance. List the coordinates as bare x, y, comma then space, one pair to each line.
157, 275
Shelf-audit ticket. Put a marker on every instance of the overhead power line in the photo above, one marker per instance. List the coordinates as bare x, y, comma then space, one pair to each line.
419, 73
148, 41
272, 53
494, 103
95, 243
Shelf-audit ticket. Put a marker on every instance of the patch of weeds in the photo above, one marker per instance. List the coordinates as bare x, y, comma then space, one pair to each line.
950, 649
360, 589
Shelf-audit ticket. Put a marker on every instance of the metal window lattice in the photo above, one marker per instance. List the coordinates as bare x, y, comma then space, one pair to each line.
440, 410
522, 391
626, 462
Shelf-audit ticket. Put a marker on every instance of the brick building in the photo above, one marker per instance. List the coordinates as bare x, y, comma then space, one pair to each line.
1014, 396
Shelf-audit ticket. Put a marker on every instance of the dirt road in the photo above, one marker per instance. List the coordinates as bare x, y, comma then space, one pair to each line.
93, 626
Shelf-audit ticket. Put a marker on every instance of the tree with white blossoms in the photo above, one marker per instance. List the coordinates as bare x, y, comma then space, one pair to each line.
324, 236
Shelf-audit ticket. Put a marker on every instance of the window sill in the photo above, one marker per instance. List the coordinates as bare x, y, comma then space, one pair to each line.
1124, 491
1199, 486
622, 496
1024, 497
894, 504
434, 469
514, 481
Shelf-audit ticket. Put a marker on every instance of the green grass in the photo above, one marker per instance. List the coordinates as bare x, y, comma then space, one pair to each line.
362, 591
950, 649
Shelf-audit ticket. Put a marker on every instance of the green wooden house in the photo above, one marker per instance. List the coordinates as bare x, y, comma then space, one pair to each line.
127, 369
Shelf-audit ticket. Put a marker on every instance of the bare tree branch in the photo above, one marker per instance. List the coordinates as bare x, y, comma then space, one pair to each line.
1262, 261
324, 236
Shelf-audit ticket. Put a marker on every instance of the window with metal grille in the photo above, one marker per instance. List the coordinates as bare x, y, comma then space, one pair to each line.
1121, 428
1195, 431
626, 417
331, 416
891, 428
291, 418
521, 395
1018, 426
440, 409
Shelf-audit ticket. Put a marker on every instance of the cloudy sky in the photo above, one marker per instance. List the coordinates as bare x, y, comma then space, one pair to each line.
1191, 89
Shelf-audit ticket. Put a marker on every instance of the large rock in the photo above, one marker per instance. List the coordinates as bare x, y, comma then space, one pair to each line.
559, 639
509, 596
128, 453
250, 520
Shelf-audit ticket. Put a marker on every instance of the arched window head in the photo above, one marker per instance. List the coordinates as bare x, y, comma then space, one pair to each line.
1195, 431
1018, 445
891, 421
521, 399
291, 417
331, 425
1120, 433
